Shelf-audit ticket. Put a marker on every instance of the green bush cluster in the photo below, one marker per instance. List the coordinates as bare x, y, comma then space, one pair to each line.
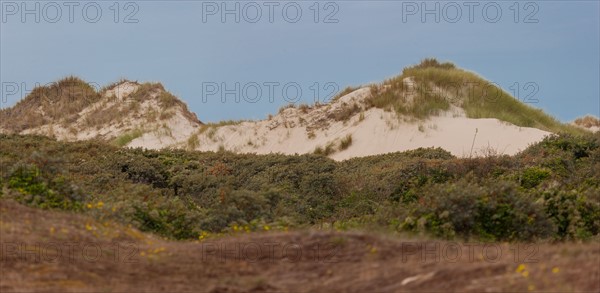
549, 191
42, 187
532, 177
494, 210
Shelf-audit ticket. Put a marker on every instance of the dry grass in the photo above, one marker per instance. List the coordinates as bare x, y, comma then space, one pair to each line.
587, 121
193, 142
62, 102
149, 263
346, 142
346, 112
325, 151
59, 102
344, 92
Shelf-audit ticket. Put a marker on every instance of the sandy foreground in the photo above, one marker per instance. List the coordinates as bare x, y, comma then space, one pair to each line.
47, 251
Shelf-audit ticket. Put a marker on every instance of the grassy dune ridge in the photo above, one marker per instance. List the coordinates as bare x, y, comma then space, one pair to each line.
439, 85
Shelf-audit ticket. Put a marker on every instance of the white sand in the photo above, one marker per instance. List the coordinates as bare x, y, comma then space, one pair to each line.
380, 132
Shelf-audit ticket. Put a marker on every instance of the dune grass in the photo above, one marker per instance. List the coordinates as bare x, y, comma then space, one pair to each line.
61, 101
346, 142
127, 137
477, 96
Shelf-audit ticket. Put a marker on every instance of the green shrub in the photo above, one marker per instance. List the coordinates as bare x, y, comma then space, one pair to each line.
178, 194
575, 214
493, 211
169, 217
33, 188
532, 177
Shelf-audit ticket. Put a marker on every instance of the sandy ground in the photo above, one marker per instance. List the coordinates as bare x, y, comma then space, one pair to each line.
48, 251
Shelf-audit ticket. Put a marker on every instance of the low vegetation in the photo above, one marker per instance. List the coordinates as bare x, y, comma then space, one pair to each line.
549, 191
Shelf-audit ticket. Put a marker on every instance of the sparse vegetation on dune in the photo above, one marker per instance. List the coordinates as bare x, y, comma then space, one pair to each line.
127, 137
439, 85
59, 102
166, 100
193, 142
346, 142
325, 151
344, 92
224, 123
112, 85
62, 103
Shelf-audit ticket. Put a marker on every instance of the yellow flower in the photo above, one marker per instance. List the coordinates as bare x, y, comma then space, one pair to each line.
525, 274
157, 250
88, 227
89, 206
520, 268
266, 228
100, 204
555, 270
203, 235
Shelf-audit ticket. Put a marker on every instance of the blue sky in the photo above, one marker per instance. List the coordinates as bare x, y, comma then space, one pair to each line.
549, 49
